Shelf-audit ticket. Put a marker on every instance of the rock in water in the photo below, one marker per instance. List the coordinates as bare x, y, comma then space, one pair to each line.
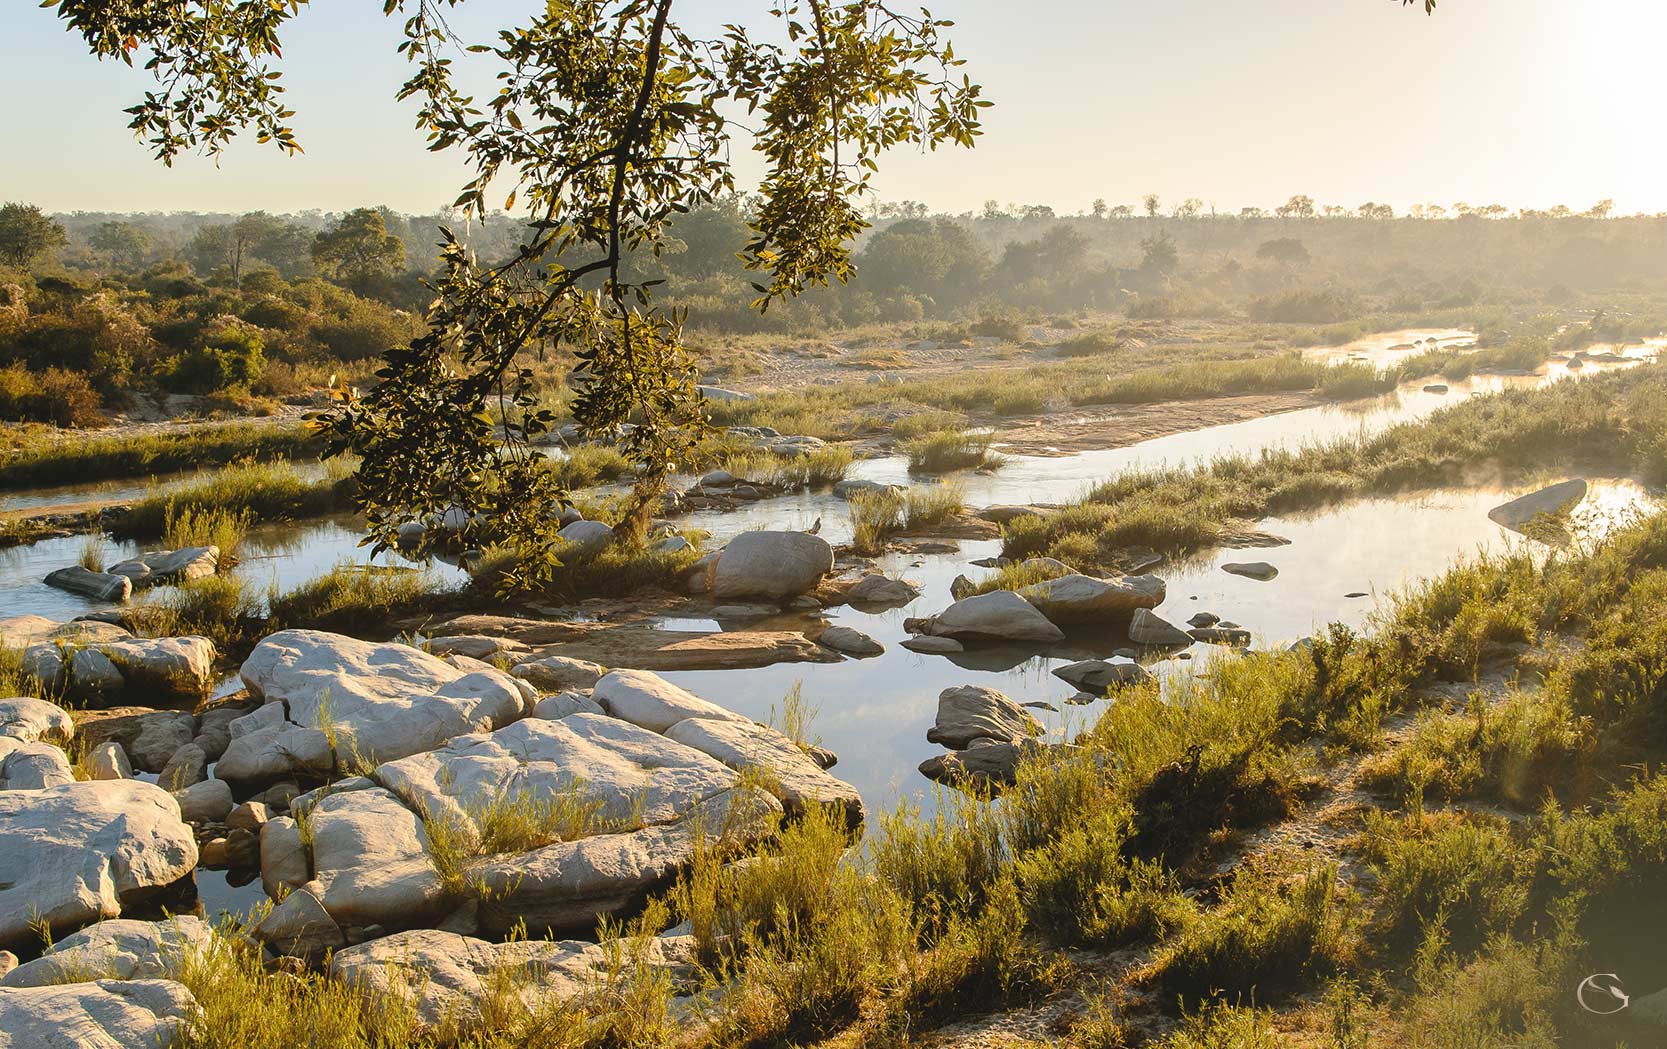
876, 589
771, 566
851, 642
100, 586
79, 852
1097, 675
1555, 500
926, 644
1000, 615
969, 712
1148, 628
1260, 570
1077, 598
986, 765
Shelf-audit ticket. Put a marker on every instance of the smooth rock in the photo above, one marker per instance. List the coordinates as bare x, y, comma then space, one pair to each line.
188, 766
1079, 598
32, 765
370, 856
587, 537
1000, 615
1554, 499
1221, 635
771, 566
646, 699
106, 1014
986, 764
564, 704
109, 761
79, 852
857, 486
284, 864
961, 587
117, 949
876, 589
1148, 628
791, 775
20, 632
559, 673
26, 718
1259, 570
926, 644
100, 586
1203, 619
849, 641
379, 701
969, 712
300, 927
250, 816
1097, 675
207, 802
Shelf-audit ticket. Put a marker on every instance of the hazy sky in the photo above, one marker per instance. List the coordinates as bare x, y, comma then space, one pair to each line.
1522, 103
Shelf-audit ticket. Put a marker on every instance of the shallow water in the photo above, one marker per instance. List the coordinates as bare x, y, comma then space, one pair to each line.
1391, 347
874, 713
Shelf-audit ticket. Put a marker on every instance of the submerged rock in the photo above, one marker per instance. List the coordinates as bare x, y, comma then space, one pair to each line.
849, 641
1148, 628
170, 566
1259, 570
79, 852
926, 644
877, 589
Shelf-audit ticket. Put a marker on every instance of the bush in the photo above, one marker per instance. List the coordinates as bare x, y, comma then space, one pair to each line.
63, 398
1307, 306
230, 357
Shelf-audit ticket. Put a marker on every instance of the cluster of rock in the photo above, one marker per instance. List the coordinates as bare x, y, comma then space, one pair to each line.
118, 582
1035, 614
988, 736
98, 662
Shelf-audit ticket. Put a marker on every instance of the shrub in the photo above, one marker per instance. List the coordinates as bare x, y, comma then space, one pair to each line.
230, 357
950, 450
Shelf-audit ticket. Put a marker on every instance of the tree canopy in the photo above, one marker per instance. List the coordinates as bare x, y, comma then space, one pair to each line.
610, 119
25, 233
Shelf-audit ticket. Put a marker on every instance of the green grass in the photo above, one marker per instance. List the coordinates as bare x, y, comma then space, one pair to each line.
205, 526
245, 491
950, 450
1610, 422
37, 460
353, 598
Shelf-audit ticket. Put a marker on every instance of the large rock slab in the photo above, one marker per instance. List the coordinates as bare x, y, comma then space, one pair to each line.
77, 853
100, 586
170, 566
969, 712
771, 566
649, 700
445, 976
118, 949
1079, 598
1554, 499
646, 647
570, 885
29, 765
161, 668
788, 772
620, 776
107, 1014
26, 718
332, 702
1000, 615
22, 631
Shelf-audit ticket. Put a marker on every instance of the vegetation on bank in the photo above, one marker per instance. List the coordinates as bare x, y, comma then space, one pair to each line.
36, 457
1467, 933
244, 491
878, 515
1610, 422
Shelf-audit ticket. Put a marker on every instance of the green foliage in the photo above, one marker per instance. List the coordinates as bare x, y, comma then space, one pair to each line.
36, 460
25, 234
243, 492
950, 450
353, 597
358, 249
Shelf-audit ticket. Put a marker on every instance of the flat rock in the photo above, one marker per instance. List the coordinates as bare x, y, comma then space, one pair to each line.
79, 852
646, 647
790, 774
1554, 499
333, 701
1260, 570
117, 949
650, 701
849, 641
1148, 628
1000, 615
137, 1014
926, 644
475, 646
772, 566
445, 977
1079, 598
20, 632
969, 712
564, 704
1097, 675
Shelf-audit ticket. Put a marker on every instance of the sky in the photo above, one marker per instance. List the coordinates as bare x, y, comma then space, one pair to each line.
1527, 104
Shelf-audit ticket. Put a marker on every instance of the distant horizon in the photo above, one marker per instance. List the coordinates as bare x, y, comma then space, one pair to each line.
1486, 101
